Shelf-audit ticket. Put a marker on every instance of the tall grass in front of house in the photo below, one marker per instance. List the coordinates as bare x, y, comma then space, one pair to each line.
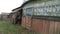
9, 28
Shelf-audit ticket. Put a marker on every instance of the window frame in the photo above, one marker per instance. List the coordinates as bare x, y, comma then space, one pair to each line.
27, 12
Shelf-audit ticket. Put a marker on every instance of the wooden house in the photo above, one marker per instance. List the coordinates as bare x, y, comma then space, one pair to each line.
42, 16
4, 16
0, 17
11, 17
16, 15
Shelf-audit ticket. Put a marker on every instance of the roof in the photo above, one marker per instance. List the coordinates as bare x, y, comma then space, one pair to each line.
16, 8
27, 3
5, 14
32, 1
22, 5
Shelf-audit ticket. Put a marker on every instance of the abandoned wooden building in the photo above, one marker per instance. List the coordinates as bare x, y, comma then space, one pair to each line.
16, 15
40, 16
0, 17
11, 16
4, 16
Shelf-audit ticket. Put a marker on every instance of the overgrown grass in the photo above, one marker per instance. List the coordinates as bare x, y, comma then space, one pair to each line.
9, 28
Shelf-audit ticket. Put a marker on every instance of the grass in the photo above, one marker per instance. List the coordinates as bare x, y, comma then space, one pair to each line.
9, 28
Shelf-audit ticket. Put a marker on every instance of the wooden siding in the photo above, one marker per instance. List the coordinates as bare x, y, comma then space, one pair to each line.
26, 22
42, 26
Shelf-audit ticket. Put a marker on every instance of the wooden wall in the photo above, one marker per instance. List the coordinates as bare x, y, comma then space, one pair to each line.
42, 26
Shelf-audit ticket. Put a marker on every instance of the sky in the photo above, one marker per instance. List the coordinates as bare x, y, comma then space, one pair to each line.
7, 5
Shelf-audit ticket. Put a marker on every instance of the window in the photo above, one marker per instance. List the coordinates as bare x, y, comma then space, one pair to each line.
38, 11
29, 11
24, 12
48, 10
58, 8
35, 11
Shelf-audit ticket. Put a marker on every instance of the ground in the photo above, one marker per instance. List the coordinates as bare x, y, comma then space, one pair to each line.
9, 28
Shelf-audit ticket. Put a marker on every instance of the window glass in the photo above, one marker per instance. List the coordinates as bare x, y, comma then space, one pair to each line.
39, 11
35, 11
48, 10
58, 8
29, 11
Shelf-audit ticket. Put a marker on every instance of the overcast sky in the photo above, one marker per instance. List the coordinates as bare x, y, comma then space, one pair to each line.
8, 5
